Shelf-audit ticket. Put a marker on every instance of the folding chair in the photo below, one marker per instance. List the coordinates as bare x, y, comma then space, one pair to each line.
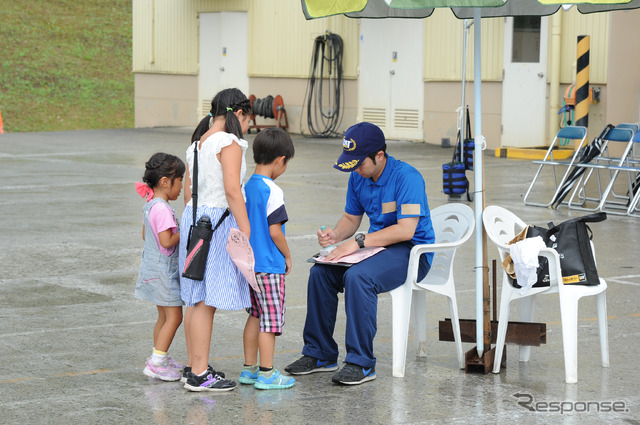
635, 160
502, 226
634, 204
578, 135
634, 126
607, 199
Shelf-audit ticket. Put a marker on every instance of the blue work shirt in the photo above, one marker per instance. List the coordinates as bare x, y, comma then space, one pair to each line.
398, 193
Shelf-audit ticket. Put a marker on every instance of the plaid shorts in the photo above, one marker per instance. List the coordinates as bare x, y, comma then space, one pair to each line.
268, 305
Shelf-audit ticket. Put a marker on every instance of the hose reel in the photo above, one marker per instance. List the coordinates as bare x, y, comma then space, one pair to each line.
268, 107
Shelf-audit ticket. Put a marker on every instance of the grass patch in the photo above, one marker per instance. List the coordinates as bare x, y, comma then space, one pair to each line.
66, 65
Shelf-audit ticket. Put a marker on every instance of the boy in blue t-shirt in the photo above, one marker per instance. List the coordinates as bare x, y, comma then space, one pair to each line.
272, 149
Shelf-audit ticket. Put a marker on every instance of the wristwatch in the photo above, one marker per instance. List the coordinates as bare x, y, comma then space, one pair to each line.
360, 239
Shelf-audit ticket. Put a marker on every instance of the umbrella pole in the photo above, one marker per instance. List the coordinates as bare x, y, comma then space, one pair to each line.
480, 359
480, 205
486, 300
462, 128
478, 178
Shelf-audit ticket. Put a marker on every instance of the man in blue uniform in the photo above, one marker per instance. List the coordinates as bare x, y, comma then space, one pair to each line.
392, 194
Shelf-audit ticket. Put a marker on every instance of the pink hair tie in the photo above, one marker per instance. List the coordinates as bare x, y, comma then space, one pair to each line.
144, 190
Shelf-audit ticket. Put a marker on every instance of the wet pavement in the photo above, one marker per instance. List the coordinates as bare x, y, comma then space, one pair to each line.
73, 339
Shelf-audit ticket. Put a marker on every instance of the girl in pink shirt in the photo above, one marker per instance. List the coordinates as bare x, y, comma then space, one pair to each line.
159, 280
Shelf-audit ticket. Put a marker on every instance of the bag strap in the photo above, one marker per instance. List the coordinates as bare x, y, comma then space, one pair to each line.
468, 134
594, 218
458, 145
194, 191
591, 218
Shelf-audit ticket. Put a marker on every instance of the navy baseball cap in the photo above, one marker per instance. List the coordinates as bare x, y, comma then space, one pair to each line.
359, 141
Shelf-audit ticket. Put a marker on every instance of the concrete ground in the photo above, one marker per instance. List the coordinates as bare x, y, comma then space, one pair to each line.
73, 339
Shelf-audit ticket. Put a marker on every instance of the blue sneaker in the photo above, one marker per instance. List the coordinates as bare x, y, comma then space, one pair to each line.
352, 374
249, 374
306, 365
273, 380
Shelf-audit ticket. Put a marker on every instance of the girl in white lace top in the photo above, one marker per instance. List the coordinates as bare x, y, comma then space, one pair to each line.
221, 170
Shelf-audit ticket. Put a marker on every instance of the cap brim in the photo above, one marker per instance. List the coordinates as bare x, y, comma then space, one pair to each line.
348, 163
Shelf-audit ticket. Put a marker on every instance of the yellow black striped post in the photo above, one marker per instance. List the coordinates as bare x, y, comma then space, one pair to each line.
582, 82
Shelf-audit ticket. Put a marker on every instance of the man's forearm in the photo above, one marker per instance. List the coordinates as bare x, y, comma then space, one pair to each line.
400, 232
346, 226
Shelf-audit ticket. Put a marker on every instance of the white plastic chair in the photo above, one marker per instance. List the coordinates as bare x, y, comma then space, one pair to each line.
501, 226
453, 225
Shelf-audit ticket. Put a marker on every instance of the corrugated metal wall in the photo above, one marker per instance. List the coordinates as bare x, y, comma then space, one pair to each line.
281, 40
595, 25
443, 48
165, 33
165, 40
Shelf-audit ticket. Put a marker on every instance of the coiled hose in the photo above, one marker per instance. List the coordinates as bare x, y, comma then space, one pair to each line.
325, 115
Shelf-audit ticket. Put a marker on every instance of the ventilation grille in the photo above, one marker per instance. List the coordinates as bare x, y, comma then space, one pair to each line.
205, 107
375, 116
406, 118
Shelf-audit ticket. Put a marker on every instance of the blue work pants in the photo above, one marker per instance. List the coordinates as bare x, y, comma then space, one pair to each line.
361, 284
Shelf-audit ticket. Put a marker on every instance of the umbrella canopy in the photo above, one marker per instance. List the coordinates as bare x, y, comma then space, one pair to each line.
462, 9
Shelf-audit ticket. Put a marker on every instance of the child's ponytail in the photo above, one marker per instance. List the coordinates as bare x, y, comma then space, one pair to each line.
226, 103
232, 124
203, 126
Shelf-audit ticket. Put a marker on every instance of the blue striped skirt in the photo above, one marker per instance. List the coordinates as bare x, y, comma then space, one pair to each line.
223, 285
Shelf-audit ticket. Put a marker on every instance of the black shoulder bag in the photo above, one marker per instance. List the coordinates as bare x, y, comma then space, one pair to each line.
572, 240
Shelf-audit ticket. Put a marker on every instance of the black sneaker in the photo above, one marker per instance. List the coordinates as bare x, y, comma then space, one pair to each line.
306, 365
187, 371
185, 374
208, 382
352, 374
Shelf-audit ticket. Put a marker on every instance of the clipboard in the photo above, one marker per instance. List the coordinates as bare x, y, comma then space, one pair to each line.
348, 260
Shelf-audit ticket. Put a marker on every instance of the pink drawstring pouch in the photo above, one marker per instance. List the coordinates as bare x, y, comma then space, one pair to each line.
241, 254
